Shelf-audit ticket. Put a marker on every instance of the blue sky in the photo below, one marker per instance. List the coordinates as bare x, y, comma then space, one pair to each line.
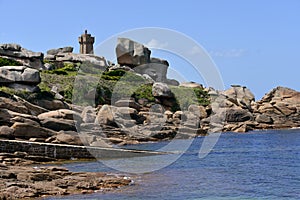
253, 43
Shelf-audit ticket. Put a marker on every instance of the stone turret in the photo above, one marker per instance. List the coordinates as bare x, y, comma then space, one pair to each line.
86, 42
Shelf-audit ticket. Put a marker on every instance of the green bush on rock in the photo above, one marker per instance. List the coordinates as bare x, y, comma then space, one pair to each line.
121, 75
9, 62
27, 95
187, 96
68, 69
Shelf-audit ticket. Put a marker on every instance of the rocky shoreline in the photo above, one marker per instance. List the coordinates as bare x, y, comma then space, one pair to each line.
47, 99
23, 176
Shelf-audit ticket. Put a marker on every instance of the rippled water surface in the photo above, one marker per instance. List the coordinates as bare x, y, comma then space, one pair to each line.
258, 165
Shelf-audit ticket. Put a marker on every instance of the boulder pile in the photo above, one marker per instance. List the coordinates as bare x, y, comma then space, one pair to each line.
136, 56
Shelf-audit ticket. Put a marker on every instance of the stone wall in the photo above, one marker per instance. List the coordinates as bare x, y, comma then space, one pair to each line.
60, 151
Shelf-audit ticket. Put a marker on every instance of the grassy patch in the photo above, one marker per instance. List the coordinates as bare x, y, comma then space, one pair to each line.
69, 69
144, 91
187, 96
121, 75
9, 62
26, 95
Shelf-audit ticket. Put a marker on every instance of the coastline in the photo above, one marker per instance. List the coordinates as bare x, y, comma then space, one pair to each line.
61, 102
25, 176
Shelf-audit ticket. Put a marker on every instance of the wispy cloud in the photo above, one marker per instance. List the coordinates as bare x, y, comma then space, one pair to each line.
195, 50
156, 44
230, 53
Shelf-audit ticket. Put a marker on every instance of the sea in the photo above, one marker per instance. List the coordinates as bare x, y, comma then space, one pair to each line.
254, 165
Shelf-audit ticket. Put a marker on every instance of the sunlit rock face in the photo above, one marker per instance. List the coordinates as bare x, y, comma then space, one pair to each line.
137, 56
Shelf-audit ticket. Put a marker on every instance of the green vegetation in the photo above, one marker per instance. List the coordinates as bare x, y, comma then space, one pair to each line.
93, 87
64, 84
69, 69
85, 84
188, 96
122, 75
26, 95
9, 62
144, 91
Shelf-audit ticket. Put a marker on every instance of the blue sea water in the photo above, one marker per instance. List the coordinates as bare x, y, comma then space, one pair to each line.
256, 165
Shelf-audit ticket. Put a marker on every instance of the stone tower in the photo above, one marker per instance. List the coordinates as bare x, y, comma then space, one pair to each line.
86, 42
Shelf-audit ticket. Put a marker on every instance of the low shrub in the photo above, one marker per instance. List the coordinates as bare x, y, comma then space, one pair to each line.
9, 62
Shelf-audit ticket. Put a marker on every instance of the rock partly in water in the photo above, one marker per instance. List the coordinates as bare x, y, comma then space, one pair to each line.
19, 180
280, 108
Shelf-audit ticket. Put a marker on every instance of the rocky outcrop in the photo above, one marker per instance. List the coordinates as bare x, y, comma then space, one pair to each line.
20, 78
240, 96
191, 85
27, 131
161, 90
280, 108
19, 74
60, 50
20, 181
58, 56
22, 55
127, 103
131, 53
137, 56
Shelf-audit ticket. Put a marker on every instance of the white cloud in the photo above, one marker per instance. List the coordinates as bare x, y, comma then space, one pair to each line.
156, 44
195, 50
231, 53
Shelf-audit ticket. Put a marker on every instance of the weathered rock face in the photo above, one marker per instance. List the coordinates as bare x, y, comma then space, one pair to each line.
6, 116
19, 74
240, 96
51, 104
131, 53
161, 90
88, 115
10, 104
69, 137
6, 132
60, 50
20, 78
157, 71
137, 56
61, 114
128, 103
58, 124
26, 131
119, 67
86, 59
18, 180
280, 108
191, 85
105, 116
22, 55
238, 115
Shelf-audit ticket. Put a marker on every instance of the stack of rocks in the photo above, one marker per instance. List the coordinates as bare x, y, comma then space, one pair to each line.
26, 75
